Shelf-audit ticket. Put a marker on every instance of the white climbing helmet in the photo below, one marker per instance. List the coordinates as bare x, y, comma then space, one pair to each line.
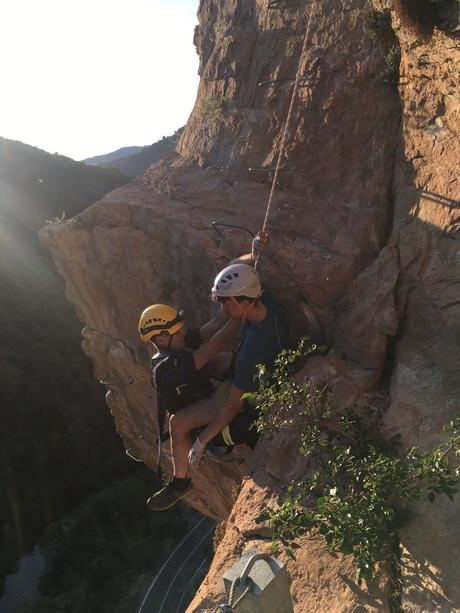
237, 280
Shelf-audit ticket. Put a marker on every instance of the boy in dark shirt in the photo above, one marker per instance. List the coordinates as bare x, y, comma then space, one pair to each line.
179, 376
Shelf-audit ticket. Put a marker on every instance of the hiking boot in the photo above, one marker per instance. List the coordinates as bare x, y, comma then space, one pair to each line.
171, 493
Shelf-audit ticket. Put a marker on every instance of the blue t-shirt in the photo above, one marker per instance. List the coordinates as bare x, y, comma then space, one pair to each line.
261, 344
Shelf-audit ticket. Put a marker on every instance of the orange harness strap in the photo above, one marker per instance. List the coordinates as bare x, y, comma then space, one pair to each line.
244, 312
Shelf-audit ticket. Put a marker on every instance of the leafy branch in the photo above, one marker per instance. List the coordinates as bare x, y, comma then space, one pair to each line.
361, 484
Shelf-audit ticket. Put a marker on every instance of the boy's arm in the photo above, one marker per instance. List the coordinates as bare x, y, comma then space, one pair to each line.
212, 326
215, 344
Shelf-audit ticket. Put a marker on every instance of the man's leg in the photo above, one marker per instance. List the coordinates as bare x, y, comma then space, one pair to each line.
181, 426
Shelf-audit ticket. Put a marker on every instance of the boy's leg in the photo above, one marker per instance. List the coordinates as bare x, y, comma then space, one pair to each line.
181, 426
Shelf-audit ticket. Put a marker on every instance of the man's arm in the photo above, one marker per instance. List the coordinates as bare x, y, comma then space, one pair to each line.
246, 258
215, 344
231, 407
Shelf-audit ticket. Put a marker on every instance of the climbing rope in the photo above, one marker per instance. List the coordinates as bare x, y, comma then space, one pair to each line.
262, 236
263, 233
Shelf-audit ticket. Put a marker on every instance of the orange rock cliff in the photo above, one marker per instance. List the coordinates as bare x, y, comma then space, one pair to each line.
364, 229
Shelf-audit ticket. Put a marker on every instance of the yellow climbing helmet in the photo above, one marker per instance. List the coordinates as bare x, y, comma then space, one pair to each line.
160, 319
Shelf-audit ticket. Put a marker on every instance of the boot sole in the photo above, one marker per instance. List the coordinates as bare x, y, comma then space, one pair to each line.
166, 507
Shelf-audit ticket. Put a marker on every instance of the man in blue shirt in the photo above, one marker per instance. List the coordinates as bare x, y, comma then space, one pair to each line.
265, 332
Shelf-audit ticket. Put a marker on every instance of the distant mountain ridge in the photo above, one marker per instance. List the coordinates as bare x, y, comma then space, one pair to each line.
109, 158
134, 161
36, 186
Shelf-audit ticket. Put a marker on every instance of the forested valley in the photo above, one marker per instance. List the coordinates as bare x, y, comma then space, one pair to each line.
66, 483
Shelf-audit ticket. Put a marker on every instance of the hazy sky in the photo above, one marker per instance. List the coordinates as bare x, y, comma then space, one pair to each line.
85, 77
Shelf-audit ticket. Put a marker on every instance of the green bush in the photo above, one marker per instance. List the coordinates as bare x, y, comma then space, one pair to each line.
212, 110
390, 73
361, 485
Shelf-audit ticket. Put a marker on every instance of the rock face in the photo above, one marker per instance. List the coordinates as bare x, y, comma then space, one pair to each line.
424, 384
363, 253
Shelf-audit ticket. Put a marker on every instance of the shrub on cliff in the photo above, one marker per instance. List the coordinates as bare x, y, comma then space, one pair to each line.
390, 73
212, 110
361, 484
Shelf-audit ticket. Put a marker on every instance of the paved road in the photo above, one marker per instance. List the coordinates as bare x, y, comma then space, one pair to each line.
174, 586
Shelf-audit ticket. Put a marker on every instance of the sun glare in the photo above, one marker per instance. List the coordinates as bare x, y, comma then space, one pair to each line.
86, 77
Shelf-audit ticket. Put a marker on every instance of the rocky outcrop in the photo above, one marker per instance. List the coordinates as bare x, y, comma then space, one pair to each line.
362, 253
319, 582
119, 255
425, 364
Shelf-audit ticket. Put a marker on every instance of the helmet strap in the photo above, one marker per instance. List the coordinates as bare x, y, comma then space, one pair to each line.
244, 312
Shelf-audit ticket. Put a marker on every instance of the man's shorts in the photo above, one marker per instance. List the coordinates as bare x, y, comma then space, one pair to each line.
240, 429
